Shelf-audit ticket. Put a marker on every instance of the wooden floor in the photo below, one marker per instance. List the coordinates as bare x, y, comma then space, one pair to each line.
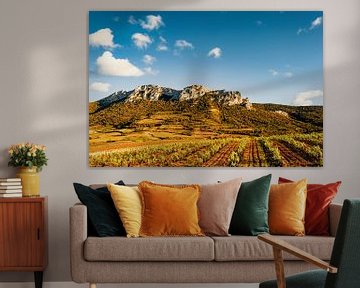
74, 285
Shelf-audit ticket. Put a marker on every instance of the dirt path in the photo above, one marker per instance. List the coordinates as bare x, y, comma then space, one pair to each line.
252, 155
290, 158
221, 158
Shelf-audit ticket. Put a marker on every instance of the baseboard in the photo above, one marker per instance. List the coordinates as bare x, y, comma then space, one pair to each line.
74, 285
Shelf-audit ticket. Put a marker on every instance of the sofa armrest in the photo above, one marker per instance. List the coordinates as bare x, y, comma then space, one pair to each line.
279, 246
284, 246
334, 216
78, 235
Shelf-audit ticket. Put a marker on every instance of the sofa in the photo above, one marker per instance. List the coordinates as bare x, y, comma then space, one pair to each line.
233, 259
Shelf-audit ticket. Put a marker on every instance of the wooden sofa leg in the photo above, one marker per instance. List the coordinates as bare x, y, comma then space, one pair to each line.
92, 285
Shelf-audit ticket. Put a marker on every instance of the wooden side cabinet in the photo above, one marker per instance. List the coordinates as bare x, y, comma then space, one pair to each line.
23, 235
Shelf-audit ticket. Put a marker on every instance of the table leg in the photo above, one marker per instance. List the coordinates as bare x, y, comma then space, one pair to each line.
38, 279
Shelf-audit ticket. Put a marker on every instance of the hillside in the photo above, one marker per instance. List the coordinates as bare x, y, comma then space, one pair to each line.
204, 114
139, 118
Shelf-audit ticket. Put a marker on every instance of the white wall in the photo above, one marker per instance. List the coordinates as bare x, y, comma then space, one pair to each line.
43, 90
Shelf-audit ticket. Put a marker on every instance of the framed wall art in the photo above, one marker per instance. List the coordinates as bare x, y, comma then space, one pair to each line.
205, 88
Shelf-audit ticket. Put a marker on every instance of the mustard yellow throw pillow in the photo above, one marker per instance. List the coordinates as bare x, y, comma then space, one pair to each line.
287, 204
169, 210
127, 201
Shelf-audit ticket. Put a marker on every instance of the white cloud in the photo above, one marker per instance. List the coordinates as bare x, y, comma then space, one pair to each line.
315, 23
215, 52
100, 87
151, 71
132, 20
152, 22
183, 44
305, 98
107, 64
274, 72
103, 38
301, 30
162, 45
148, 59
141, 40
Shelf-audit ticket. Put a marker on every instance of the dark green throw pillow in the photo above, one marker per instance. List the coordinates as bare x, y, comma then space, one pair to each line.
103, 218
250, 216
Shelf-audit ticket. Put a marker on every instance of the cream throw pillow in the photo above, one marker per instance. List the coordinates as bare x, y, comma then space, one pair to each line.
127, 201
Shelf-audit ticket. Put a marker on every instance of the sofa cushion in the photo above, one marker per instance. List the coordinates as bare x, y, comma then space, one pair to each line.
216, 206
127, 201
149, 249
169, 210
318, 199
250, 215
102, 216
287, 204
244, 248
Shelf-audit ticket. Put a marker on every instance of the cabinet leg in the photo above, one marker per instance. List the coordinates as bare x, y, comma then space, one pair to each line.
38, 279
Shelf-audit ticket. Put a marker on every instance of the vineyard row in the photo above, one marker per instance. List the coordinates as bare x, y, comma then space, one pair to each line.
274, 151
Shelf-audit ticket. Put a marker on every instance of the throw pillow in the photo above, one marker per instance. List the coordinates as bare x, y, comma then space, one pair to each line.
128, 204
102, 215
287, 204
216, 206
250, 215
319, 197
169, 210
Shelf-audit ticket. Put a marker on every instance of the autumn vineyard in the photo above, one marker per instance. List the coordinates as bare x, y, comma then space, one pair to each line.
274, 151
203, 133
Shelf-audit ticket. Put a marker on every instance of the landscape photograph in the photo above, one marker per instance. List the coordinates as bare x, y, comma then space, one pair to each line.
205, 89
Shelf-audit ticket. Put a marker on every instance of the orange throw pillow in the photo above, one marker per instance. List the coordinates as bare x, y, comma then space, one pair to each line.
318, 200
169, 210
287, 204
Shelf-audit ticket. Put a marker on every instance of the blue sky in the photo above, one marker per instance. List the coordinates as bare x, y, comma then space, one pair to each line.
269, 56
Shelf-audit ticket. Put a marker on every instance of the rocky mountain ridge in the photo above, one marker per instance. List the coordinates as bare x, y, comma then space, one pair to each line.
192, 92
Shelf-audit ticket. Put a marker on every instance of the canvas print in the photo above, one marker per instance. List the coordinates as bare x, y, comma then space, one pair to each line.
205, 88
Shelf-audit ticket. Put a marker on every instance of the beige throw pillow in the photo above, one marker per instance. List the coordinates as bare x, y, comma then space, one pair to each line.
216, 206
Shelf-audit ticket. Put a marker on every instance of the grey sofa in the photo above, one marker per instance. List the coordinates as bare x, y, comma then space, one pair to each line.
234, 259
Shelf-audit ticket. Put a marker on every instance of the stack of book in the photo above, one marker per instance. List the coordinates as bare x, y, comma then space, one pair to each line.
10, 187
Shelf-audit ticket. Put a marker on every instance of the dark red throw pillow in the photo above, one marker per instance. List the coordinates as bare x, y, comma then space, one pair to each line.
319, 197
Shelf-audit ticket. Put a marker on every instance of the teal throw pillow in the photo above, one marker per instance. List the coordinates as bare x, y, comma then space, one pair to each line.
250, 216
